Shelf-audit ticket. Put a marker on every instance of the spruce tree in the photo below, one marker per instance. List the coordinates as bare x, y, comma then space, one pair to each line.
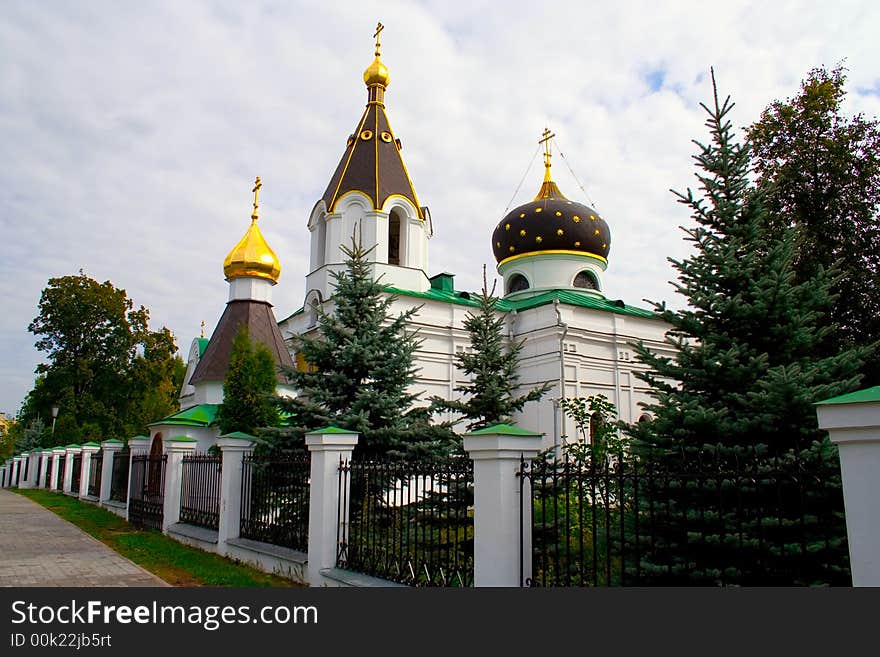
491, 366
360, 367
739, 395
248, 388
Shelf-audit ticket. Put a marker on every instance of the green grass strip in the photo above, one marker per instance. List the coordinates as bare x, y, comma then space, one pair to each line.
176, 563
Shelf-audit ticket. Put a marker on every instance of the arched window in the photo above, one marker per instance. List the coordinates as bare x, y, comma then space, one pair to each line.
586, 280
516, 283
394, 224
645, 418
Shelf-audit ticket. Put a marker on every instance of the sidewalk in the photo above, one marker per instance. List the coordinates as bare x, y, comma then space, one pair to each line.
37, 548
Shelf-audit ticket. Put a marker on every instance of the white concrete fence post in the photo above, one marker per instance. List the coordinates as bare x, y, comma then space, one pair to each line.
23, 469
45, 459
498, 506
16, 470
57, 465
176, 448
70, 451
88, 450
136, 445
34, 467
327, 447
853, 423
111, 449
233, 447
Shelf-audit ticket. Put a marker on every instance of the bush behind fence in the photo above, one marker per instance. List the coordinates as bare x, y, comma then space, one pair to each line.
275, 501
702, 522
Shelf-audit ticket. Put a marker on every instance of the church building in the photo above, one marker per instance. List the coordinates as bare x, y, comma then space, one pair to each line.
552, 254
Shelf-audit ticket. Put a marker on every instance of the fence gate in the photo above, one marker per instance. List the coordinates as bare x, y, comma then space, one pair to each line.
147, 495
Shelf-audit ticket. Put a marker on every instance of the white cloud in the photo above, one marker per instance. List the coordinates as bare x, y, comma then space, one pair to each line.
132, 132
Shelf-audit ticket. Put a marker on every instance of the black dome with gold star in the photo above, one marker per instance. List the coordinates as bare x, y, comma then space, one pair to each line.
551, 224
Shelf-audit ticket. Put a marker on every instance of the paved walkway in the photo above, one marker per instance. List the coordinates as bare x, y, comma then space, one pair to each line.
37, 548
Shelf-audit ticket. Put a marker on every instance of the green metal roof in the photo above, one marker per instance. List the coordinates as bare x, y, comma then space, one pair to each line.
504, 430
867, 395
203, 344
91, 444
332, 430
182, 439
196, 416
568, 297
239, 434
72, 445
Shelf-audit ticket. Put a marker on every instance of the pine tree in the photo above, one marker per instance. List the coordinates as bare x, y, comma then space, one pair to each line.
248, 388
489, 396
740, 390
360, 367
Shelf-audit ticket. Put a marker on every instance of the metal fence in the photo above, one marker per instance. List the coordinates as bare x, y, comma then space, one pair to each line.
705, 521
119, 476
410, 522
27, 465
147, 492
75, 473
200, 490
275, 501
49, 467
95, 470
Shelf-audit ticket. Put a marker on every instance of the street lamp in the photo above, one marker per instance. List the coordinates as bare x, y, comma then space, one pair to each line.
54, 417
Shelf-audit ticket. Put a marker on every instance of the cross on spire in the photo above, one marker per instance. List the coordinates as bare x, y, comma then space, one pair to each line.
546, 136
379, 28
256, 191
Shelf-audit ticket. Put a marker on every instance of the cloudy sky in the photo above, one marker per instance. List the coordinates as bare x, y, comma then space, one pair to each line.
131, 132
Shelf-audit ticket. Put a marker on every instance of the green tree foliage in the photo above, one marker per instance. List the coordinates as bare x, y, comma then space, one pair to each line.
741, 388
821, 172
361, 369
106, 370
249, 388
491, 366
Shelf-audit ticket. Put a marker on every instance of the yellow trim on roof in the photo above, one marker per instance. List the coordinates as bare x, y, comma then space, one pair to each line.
554, 252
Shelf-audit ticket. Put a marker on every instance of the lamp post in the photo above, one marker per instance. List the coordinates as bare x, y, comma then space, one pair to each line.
54, 417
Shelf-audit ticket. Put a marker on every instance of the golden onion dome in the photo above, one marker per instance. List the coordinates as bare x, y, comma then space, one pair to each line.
252, 256
377, 73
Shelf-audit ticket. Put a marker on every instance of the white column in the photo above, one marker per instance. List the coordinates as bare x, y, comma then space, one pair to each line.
23, 469
327, 447
111, 449
853, 423
45, 458
499, 544
33, 477
176, 449
57, 466
16, 469
233, 448
86, 471
70, 451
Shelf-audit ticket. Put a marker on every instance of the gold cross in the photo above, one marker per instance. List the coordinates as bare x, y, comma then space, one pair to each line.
256, 191
547, 136
203, 328
379, 28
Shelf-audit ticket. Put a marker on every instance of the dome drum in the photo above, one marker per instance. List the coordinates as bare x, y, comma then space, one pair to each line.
535, 273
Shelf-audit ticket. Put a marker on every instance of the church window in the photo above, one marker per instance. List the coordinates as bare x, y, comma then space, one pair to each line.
586, 280
517, 283
393, 238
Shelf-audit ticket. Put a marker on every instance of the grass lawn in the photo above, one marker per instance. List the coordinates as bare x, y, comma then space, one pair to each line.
177, 564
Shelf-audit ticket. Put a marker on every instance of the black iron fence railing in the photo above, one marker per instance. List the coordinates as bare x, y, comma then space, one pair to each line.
200, 490
49, 466
75, 473
62, 472
275, 501
147, 491
96, 468
701, 521
26, 462
119, 476
409, 522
